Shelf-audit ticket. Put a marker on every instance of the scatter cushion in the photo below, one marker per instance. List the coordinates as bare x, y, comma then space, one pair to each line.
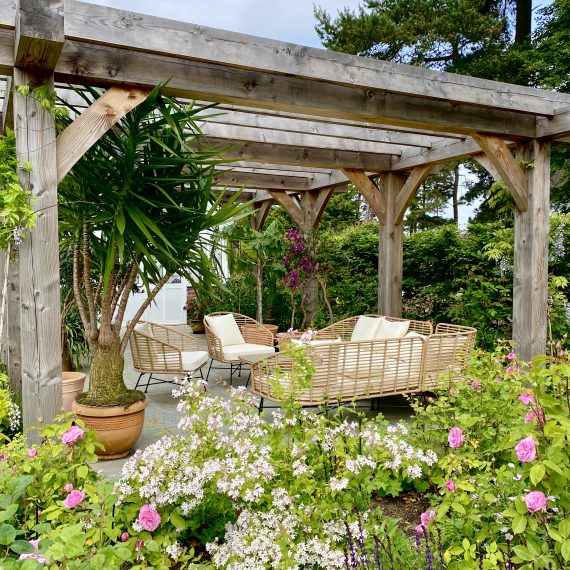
416, 334
248, 351
226, 329
366, 328
144, 328
391, 329
193, 360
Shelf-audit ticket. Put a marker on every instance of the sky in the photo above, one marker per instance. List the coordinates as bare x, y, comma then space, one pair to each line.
286, 20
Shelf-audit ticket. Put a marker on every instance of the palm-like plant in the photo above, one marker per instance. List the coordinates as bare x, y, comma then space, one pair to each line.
135, 207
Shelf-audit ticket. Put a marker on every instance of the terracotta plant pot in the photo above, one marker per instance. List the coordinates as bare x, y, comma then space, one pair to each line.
71, 385
118, 427
197, 327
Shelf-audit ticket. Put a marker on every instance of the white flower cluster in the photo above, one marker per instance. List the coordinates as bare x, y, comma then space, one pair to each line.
14, 416
250, 543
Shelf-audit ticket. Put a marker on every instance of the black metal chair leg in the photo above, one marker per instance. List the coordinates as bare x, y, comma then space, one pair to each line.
260, 405
209, 368
201, 374
139, 379
248, 379
148, 383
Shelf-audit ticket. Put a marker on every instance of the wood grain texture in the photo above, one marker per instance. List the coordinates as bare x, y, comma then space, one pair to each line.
39, 34
308, 140
103, 65
555, 127
93, 123
39, 262
484, 161
261, 211
291, 205
313, 204
437, 154
391, 250
301, 156
409, 191
7, 107
6, 51
102, 25
507, 166
369, 191
13, 352
262, 180
530, 283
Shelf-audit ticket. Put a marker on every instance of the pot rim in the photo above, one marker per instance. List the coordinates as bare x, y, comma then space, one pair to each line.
109, 411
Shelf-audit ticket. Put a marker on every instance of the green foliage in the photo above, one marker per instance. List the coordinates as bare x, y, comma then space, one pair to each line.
10, 415
16, 212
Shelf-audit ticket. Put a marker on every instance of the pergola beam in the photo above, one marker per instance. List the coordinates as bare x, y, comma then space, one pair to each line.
407, 193
290, 204
369, 190
259, 180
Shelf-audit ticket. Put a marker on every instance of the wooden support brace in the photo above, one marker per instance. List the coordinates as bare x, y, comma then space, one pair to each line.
409, 190
507, 166
313, 204
261, 211
484, 161
291, 205
93, 123
369, 191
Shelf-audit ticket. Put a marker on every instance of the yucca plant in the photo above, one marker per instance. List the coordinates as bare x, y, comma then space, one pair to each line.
135, 208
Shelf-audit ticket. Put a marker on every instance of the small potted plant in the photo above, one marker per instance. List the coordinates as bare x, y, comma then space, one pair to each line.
195, 315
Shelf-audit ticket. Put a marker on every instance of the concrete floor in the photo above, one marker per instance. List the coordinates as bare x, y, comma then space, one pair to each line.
161, 416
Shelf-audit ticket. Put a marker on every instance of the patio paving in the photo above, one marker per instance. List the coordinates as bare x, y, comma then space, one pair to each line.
162, 418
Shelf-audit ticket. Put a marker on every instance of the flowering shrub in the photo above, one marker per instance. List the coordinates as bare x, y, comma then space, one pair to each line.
10, 416
505, 499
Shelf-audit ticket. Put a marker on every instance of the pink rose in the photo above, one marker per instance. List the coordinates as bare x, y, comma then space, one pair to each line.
426, 517
526, 398
531, 416
73, 499
420, 529
526, 450
35, 543
125, 537
139, 544
32, 452
68, 487
476, 385
450, 485
149, 518
512, 369
73, 434
27, 555
455, 437
511, 356
535, 501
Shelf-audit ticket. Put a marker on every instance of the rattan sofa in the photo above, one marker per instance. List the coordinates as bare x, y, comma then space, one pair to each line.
348, 370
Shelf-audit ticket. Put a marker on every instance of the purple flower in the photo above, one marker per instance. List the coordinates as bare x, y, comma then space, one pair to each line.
426, 517
149, 518
455, 437
511, 356
450, 485
532, 416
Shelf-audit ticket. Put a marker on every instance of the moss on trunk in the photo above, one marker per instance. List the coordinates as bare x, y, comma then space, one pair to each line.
106, 385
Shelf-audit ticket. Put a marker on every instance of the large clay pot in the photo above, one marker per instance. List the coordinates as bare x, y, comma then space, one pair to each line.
71, 385
118, 427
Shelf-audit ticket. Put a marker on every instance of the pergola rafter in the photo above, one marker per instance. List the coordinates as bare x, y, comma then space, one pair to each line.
298, 123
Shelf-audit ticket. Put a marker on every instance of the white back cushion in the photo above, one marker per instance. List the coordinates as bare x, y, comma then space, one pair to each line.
414, 333
144, 328
366, 328
226, 329
391, 329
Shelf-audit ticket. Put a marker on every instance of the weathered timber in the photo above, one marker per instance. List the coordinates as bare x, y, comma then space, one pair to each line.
39, 34
283, 154
8, 107
484, 161
262, 180
259, 135
369, 191
13, 352
93, 123
409, 190
261, 211
507, 166
438, 154
530, 283
39, 261
391, 253
291, 204
102, 65
313, 204
102, 25
555, 127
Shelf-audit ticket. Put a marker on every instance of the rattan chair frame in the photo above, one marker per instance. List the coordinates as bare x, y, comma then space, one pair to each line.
252, 331
161, 353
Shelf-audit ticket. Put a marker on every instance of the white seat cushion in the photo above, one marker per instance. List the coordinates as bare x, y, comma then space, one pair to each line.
250, 352
391, 329
366, 328
144, 328
193, 360
417, 334
226, 329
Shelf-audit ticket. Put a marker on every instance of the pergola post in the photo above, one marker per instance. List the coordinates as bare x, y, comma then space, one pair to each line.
530, 189
530, 280
39, 40
260, 213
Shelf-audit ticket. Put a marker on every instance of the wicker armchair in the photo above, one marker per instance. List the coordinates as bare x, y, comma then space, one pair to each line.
158, 349
253, 342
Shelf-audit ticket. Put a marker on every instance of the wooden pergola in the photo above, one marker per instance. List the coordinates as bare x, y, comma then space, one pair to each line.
300, 122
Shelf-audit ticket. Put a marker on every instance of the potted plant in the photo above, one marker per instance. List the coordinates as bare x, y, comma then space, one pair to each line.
195, 315
132, 209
